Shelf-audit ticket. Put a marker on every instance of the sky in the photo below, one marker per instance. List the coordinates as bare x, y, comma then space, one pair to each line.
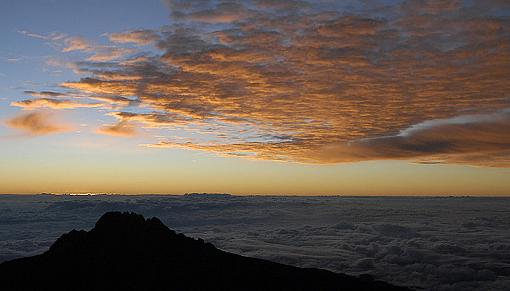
324, 97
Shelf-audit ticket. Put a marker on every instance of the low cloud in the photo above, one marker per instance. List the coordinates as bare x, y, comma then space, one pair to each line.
415, 242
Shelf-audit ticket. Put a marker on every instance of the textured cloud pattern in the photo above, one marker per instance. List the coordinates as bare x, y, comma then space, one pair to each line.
311, 81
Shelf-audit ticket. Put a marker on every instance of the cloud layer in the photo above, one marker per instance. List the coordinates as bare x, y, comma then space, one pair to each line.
316, 81
433, 243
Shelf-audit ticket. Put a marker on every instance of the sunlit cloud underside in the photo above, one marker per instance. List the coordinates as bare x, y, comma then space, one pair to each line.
301, 81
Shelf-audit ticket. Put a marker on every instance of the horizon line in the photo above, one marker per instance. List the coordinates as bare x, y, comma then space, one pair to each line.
225, 195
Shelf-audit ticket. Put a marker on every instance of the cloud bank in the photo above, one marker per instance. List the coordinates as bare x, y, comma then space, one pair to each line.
431, 243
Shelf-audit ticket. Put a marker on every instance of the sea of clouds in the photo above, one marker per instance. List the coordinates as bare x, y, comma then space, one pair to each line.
431, 243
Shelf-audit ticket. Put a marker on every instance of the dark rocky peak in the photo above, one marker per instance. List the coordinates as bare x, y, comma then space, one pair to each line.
129, 222
125, 251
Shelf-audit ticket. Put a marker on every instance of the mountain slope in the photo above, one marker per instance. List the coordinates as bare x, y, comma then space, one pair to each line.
124, 251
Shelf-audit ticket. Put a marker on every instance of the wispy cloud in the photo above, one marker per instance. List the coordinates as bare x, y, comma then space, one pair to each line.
101, 53
77, 44
139, 37
53, 103
37, 123
54, 36
44, 94
123, 128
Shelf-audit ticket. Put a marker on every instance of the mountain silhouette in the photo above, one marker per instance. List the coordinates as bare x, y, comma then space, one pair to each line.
125, 251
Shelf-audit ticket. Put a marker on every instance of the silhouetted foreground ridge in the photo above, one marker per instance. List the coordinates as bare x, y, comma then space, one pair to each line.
124, 251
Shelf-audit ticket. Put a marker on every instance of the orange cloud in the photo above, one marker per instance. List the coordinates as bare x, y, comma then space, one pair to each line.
45, 94
36, 123
77, 44
106, 54
139, 37
123, 128
477, 139
101, 53
297, 81
223, 12
457, 140
53, 103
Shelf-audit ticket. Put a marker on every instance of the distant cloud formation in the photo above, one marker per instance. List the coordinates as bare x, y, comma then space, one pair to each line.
36, 123
315, 81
